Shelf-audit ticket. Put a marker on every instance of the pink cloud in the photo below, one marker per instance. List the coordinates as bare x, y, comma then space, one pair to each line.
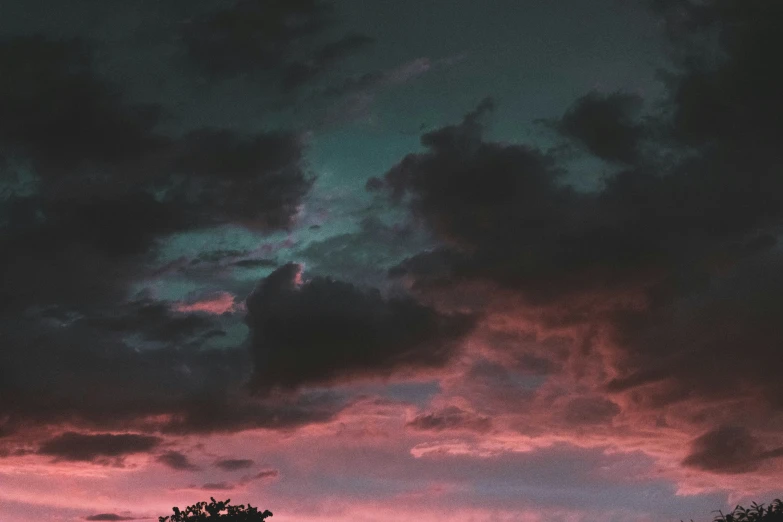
218, 304
364, 463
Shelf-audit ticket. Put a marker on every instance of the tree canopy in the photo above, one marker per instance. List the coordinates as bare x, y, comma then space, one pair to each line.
214, 510
756, 513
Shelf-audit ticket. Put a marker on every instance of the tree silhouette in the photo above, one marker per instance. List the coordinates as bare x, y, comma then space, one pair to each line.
214, 510
217, 511
756, 513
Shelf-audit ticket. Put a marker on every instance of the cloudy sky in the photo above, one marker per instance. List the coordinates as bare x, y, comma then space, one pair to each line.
375, 260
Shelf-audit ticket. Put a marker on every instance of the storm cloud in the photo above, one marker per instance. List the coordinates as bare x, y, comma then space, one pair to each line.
675, 253
321, 330
55, 110
92, 187
605, 126
228, 264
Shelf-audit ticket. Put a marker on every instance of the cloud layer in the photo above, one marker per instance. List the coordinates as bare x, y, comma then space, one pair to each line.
319, 331
226, 267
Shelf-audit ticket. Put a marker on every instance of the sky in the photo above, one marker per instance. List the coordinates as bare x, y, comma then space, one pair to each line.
373, 260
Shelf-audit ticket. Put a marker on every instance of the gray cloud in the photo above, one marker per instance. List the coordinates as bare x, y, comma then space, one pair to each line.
451, 418
590, 410
689, 226
92, 448
604, 124
80, 374
729, 450
108, 516
217, 486
323, 330
55, 110
234, 464
106, 187
287, 40
176, 461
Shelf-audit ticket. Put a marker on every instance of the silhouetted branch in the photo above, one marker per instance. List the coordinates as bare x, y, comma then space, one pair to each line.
217, 511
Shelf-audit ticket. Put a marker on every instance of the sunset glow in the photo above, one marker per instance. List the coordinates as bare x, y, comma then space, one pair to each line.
373, 261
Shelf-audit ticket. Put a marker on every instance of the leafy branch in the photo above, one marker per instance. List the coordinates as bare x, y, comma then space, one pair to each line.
215, 510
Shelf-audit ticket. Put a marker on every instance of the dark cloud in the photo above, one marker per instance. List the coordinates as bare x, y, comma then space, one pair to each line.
267, 473
248, 35
726, 94
227, 257
508, 216
108, 516
451, 418
46, 265
590, 410
261, 475
93, 147
226, 177
288, 38
55, 110
211, 178
234, 464
217, 486
119, 226
503, 211
92, 448
219, 151
216, 256
105, 196
524, 352
493, 388
348, 44
228, 413
605, 125
71, 368
56, 371
247, 479
437, 266
177, 461
511, 217
155, 321
255, 263
91, 189
318, 331
728, 449
689, 227
108, 187
729, 328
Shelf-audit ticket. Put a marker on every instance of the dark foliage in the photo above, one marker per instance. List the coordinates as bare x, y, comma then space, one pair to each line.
217, 511
756, 513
